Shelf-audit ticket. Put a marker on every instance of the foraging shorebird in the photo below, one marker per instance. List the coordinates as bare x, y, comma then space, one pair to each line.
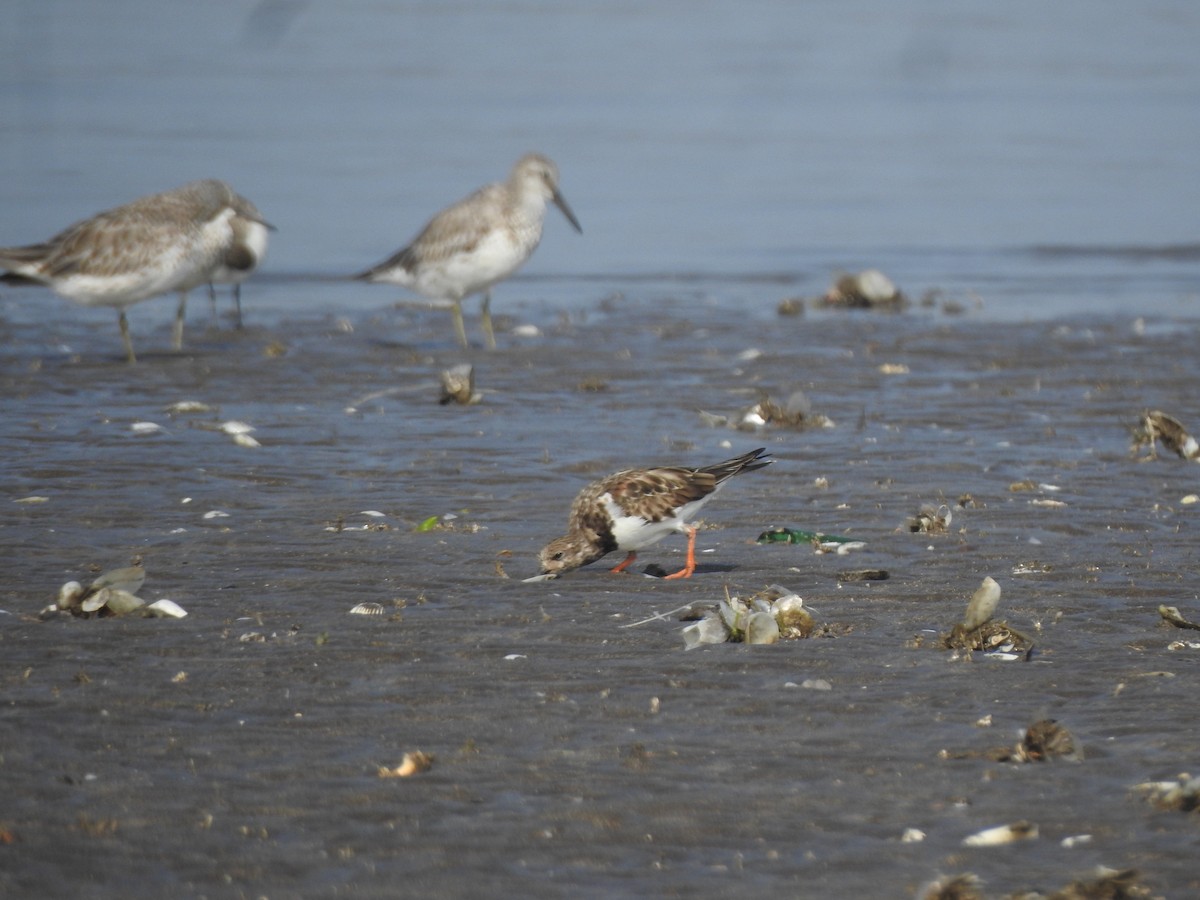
477, 242
638, 507
161, 243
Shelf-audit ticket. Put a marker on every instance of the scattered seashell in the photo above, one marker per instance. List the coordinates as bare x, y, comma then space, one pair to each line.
893, 369
215, 514
761, 628
165, 609
183, 407
931, 519
1002, 834
864, 575
410, 765
145, 428
233, 426
69, 595
458, 385
533, 579
1182, 795
1187, 500
955, 887
983, 604
1156, 425
245, 440
32, 498
1046, 740
120, 602
708, 630
1169, 614
912, 836
367, 609
869, 289
130, 578
526, 331
979, 632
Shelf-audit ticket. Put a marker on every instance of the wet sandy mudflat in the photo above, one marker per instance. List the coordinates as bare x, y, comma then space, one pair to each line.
234, 753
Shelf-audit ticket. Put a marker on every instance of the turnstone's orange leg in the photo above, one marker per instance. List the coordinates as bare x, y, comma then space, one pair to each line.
690, 566
628, 560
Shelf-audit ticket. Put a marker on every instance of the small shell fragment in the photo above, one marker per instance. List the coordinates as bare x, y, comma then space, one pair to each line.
233, 426
411, 764
367, 609
130, 578
165, 609
188, 406
761, 628
1002, 834
245, 440
69, 594
983, 604
1156, 425
145, 428
533, 579
708, 630
458, 385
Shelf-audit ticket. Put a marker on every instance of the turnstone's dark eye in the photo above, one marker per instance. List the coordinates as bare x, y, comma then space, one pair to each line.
557, 556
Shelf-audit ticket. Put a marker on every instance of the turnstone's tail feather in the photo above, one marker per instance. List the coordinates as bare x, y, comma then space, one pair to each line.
637, 507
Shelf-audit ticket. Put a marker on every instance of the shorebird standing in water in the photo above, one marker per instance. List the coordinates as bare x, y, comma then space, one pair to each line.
639, 507
165, 242
478, 241
250, 237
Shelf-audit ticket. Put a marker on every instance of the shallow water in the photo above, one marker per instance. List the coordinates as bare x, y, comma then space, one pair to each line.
1014, 182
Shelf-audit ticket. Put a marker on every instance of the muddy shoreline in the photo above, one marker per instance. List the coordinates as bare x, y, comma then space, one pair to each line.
235, 752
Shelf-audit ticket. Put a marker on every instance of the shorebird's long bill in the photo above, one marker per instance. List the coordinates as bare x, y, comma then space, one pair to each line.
566, 211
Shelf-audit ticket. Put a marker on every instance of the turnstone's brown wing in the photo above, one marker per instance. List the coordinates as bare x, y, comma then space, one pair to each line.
657, 494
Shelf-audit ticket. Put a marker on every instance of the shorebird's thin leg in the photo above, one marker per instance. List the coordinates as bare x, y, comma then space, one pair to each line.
212, 302
237, 298
124, 323
177, 340
628, 560
690, 566
488, 333
459, 328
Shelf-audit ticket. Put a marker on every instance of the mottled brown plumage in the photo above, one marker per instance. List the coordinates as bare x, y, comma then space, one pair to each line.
638, 507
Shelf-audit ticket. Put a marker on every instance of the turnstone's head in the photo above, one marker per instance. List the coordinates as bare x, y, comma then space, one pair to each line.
564, 554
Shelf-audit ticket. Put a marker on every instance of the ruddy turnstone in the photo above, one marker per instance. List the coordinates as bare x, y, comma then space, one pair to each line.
165, 242
250, 238
477, 242
638, 507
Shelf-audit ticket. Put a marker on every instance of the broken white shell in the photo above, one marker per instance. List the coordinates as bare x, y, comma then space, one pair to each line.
165, 609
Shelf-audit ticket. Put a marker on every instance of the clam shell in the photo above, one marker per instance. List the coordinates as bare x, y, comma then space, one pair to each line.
165, 609
130, 578
761, 628
69, 594
709, 630
983, 604
121, 602
367, 609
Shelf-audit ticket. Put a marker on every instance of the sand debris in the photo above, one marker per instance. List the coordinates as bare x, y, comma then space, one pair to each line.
458, 386
411, 764
978, 631
772, 614
868, 289
1156, 425
113, 593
